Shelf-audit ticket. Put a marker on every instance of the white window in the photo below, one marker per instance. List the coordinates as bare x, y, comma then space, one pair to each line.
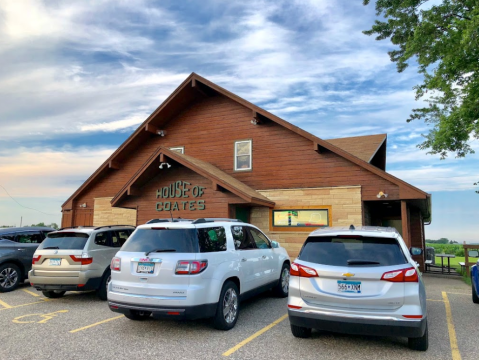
243, 158
179, 149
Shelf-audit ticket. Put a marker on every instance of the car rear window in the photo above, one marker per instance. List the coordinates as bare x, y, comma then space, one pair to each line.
64, 240
359, 251
177, 240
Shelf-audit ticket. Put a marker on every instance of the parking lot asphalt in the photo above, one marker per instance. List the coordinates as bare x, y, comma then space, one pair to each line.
80, 326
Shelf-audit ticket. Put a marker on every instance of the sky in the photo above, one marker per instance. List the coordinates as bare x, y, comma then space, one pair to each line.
78, 77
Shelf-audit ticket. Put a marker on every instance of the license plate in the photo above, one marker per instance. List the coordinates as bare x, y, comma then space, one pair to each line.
349, 286
55, 262
145, 268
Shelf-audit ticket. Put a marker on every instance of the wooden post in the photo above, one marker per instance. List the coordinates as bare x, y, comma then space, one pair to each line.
405, 224
466, 258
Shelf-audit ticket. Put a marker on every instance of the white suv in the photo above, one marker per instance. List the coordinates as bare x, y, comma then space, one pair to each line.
358, 281
195, 269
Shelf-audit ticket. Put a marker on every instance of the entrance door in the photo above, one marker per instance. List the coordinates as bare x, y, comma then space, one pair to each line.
242, 213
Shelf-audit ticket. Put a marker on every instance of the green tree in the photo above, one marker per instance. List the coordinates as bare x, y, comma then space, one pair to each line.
443, 39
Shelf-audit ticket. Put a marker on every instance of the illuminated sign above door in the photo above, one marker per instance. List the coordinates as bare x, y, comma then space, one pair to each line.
182, 190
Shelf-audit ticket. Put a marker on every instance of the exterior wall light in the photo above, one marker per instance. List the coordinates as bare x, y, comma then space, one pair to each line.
163, 164
381, 194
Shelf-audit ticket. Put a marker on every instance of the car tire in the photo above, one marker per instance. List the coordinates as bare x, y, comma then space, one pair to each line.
281, 290
475, 298
10, 277
53, 294
138, 315
229, 301
300, 332
102, 292
420, 343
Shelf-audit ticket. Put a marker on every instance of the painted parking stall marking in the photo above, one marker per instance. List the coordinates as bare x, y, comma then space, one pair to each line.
456, 355
96, 324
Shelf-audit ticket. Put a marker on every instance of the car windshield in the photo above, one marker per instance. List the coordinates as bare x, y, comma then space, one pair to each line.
64, 241
157, 239
348, 251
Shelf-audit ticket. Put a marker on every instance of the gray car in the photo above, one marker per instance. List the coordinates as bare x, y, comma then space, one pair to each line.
358, 281
17, 246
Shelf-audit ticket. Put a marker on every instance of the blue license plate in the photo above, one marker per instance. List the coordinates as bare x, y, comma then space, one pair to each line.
349, 286
145, 268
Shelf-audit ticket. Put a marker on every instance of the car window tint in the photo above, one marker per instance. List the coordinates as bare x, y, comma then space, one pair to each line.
338, 251
260, 239
29, 238
7, 237
65, 240
163, 239
241, 238
212, 239
102, 238
122, 236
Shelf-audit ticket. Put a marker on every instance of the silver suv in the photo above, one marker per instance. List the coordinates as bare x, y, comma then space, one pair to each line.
358, 281
195, 269
77, 259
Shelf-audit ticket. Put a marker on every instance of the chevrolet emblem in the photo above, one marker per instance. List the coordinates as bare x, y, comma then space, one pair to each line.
348, 274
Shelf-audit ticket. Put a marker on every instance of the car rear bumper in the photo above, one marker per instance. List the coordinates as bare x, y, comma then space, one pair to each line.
65, 284
376, 326
171, 312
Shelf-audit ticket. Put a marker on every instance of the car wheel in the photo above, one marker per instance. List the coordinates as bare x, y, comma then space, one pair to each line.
421, 343
475, 298
53, 294
10, 277
228, 307
282, 289
103, 290
138, 315
300, 332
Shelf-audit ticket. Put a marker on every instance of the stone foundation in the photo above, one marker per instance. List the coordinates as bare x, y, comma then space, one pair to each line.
105, 214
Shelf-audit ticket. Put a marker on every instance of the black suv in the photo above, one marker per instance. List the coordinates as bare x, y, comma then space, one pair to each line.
17, 246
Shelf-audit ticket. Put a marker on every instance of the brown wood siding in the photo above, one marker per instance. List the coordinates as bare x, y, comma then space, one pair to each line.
216, 202
83, 217
66, 219
281, 158
417, 235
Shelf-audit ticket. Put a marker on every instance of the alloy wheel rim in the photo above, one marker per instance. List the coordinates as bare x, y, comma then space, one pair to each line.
8, 278
285, 280
230, 305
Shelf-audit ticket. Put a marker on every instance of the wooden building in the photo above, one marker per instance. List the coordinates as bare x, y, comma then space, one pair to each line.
206, 152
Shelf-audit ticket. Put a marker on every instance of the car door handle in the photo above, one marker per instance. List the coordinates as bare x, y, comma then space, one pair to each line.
21, 249
243, 259
264, 256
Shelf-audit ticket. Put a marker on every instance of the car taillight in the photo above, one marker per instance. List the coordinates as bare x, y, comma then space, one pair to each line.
82, 260
35, 259
115, 264
405, 275
302, 271
184, 267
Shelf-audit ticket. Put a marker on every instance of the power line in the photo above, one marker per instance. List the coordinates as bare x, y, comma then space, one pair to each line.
26, 207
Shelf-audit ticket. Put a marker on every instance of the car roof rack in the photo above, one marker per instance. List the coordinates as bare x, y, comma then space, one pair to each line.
207, 220
154, 221
110, 226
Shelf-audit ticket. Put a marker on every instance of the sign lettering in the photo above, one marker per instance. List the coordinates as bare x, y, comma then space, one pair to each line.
180, 189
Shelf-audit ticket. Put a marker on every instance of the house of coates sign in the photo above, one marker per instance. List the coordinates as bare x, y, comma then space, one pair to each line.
180, 190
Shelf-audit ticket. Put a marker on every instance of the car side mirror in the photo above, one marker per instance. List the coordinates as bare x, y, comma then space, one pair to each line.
415, 251
274, 244
473, 253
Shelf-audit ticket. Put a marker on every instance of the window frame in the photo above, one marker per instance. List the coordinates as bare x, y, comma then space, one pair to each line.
280, 228
108, 239
31, 232
250, 168
176, 148
268, 241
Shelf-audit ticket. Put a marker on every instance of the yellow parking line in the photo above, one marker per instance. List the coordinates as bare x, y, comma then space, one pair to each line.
5, 305
95, 324
33, 303
254, 336
30, 292
456, 355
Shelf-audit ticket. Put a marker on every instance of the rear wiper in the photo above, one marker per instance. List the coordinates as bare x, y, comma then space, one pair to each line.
51, 247
159, 250
362, 262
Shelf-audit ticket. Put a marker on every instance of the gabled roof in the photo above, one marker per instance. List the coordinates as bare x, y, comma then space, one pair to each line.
203, 168
202, 85
363, 147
